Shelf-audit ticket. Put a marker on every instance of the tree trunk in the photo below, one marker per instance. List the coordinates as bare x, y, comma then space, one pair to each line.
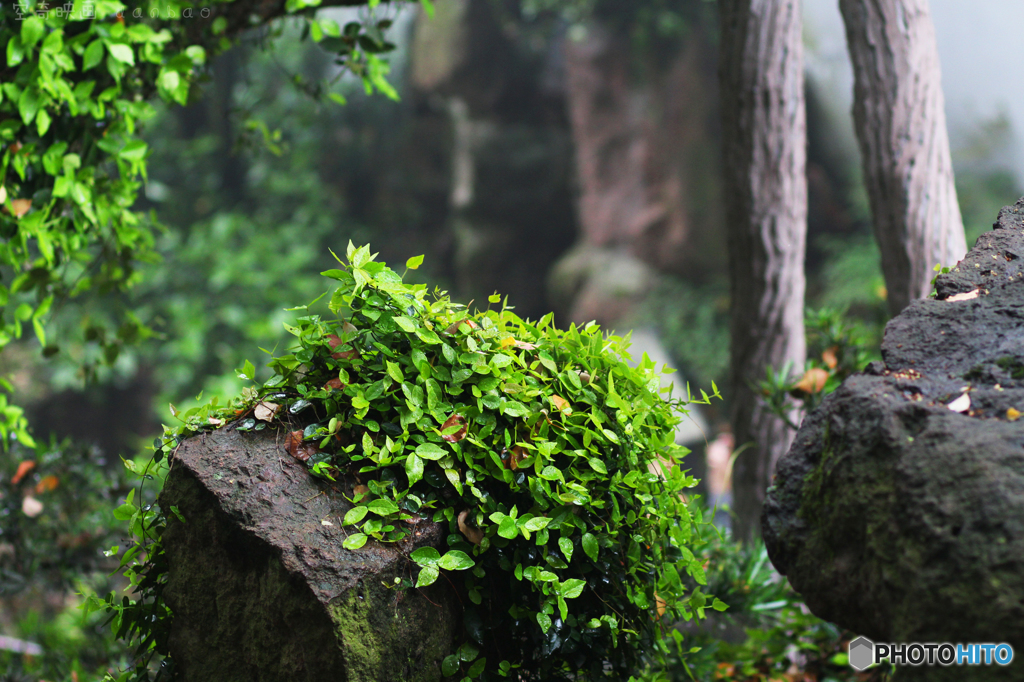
901, 127
764, 131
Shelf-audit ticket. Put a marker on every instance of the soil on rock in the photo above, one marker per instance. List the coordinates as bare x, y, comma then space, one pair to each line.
899, 510
262, 589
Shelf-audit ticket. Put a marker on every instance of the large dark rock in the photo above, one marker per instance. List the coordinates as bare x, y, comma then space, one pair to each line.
903, 519
262, 589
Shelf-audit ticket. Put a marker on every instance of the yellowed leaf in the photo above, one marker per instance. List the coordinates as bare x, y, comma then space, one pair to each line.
265, 411
1013, 414
507, 341
829, 357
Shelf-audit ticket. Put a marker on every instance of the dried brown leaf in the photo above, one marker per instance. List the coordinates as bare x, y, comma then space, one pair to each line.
265, 411
812, 381
20, 207
829, 357
454, 327
23, 469
474, 535
47, 484
334, 384
561, 404
450, 422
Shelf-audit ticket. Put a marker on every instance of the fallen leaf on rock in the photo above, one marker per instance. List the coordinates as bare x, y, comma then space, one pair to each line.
325, 522
360, 490
47, 484
1013, 414
215, 421
294, 446
23, 469
455, 419
474, 535
812, 381
965, 297
265, 411
961, 404
31, 507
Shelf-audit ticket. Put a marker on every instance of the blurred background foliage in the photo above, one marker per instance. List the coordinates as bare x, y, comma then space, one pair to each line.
477, 164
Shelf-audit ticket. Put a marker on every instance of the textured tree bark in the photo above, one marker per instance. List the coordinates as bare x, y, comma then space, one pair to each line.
764, 131
901, 127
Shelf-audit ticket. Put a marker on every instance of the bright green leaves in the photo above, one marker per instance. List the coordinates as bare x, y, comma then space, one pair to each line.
534, 445
431, 562
430, 451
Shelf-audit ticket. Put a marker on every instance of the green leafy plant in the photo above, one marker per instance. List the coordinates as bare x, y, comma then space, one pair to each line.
837, 346
550, 458
77, 82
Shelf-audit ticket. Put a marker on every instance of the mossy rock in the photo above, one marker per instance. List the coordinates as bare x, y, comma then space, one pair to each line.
262, 589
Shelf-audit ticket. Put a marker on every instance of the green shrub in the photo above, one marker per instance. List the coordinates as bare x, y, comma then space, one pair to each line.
551, 460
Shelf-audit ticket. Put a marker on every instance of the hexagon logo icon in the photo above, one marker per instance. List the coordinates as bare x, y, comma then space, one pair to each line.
861, 653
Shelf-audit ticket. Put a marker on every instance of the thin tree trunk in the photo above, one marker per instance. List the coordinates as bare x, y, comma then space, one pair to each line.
899, 115
764, 131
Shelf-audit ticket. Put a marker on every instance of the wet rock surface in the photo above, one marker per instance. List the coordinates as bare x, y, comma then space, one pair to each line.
262, 589
899, 510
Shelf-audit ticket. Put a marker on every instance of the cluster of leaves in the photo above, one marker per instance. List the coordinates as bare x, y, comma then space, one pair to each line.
548, 456
55, 534
766, 635
837, 346
76, 88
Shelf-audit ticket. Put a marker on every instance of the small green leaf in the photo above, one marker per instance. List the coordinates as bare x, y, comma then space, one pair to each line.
597, 465
719, 605
395, 371
426, 556
507, 528
122, 53
450, 665
354, 541
383, 507
414, 262
565, 544
430, 451
413, 468
572, 588
544, 621
590, 546
455, 560
355, 515
428, 574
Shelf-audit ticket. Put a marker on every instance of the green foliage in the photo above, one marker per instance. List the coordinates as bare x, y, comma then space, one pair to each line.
551, 460
837, 346
766, 634
76, 90
56, 534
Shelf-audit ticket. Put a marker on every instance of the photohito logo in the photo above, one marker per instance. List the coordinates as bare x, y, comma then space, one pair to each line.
863, 653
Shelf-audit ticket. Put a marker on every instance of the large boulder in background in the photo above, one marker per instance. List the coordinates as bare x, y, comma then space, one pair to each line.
899, 511
262, 589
